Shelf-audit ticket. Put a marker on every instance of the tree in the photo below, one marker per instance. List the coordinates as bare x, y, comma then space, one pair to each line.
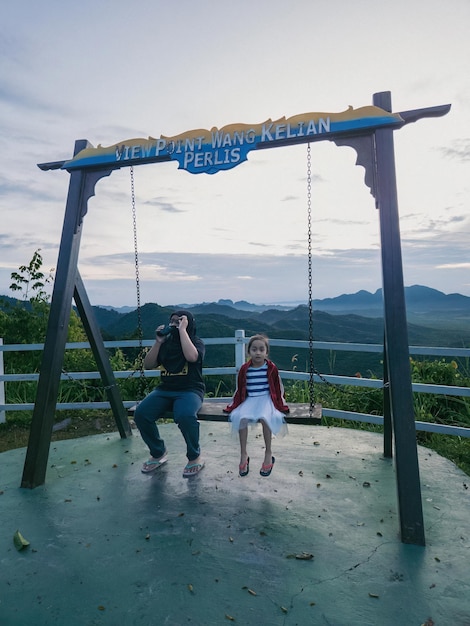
31, 277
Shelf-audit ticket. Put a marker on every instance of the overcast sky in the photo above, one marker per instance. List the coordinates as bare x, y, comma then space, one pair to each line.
112, 70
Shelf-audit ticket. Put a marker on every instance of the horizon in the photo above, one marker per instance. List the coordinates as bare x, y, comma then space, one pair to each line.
292, 304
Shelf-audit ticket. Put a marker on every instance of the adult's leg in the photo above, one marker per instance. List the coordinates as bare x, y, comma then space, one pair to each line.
185, 408
146, 414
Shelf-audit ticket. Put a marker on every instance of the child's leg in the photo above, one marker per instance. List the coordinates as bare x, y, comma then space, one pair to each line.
267, 434
243, 434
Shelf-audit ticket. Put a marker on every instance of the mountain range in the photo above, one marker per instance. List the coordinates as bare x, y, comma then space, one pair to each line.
358, 318
355, 318
434, 319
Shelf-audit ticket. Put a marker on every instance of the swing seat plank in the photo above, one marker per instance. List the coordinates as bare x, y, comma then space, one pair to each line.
212, 411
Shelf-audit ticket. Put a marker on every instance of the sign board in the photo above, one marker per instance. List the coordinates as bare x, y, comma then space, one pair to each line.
210, 151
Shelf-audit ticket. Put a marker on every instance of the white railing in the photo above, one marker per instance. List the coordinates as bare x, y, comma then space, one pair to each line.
239, 341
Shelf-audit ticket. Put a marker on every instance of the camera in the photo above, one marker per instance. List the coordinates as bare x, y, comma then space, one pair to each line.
165, 331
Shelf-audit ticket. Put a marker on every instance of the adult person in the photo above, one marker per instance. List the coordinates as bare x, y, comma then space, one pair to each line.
178, 353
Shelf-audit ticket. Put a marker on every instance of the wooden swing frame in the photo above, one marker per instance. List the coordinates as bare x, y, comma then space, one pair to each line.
375, 152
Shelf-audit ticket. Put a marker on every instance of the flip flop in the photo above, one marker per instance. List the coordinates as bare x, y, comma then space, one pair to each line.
192, 469
152, 465
267, 469
243, 469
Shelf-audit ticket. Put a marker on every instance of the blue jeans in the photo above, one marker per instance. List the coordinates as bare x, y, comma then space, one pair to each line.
184, 404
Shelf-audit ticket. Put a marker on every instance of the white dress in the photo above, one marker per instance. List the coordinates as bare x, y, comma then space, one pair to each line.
256, 408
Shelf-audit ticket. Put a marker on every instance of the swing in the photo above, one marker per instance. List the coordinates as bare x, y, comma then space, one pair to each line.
300, 413
369, 131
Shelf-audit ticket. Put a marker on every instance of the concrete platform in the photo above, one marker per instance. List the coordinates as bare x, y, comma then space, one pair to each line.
110, 546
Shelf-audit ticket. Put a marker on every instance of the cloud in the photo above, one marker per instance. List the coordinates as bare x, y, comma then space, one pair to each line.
453, 266
164, 205
460, 150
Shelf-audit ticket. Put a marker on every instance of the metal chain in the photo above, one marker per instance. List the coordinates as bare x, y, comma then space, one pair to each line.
310, 302
140, 358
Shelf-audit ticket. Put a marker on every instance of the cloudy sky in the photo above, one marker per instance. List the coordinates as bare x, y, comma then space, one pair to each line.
111, 70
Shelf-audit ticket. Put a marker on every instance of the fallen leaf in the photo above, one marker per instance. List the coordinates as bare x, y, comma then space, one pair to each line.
19, 541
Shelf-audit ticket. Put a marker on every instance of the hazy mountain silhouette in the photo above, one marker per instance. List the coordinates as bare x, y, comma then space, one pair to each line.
434, 319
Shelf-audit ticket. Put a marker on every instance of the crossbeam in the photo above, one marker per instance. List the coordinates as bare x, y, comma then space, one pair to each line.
205, 151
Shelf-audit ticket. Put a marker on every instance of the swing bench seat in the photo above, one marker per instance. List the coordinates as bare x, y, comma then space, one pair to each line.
212, 411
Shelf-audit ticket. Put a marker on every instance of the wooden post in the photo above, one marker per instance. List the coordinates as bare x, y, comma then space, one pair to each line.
396, 338
101, 357
240, 354
81, 187
388, 432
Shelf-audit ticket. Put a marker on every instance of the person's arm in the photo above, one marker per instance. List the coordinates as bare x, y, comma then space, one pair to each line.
189, 349
150, 359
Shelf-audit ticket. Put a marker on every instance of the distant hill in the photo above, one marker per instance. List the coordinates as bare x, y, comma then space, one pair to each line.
424, 306
434, 319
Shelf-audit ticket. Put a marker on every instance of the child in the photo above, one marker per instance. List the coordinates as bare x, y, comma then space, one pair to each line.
259, 397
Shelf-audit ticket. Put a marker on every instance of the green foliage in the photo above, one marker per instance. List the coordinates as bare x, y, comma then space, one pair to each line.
449, 410
32, 278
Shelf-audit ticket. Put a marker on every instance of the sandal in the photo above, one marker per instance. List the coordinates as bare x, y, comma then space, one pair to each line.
267, 469
152, 464
192, 469
244, 468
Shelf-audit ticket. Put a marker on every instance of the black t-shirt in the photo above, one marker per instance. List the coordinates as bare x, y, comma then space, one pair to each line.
178, 374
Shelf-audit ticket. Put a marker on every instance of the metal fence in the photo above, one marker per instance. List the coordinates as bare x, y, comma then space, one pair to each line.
238, 341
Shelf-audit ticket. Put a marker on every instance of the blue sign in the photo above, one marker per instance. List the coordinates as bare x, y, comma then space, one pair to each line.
211, 151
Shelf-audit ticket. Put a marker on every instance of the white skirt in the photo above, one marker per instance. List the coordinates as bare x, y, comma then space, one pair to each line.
255, 409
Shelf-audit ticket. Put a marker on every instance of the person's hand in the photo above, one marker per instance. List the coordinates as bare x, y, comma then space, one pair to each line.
183, 325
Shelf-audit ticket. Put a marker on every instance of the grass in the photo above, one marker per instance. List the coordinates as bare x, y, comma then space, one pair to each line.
15, 434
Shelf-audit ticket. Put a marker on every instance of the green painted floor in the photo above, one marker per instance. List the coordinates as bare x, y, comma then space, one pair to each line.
111, 546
